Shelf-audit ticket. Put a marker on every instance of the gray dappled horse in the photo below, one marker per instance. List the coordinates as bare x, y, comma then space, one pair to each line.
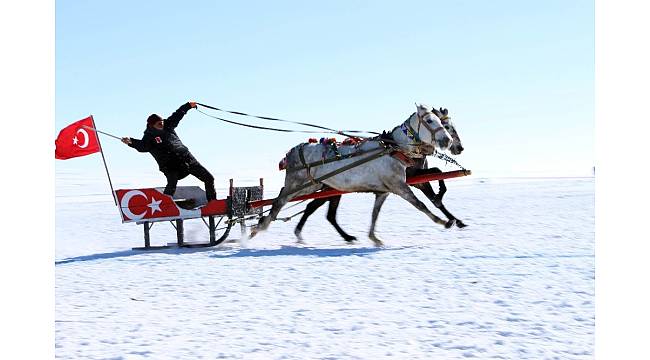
420, 166
418, 136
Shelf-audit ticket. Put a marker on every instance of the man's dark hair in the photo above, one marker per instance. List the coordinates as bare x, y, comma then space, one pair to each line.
152, 119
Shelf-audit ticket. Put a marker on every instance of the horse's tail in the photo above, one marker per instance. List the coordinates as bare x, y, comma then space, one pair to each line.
282, 165
290, 157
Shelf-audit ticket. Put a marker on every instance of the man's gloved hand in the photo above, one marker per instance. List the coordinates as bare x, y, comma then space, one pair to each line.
192, 104
126, 140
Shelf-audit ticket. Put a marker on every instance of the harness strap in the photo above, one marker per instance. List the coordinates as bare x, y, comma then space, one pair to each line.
415, 136
433, 131
301, 154
382, 151
410, 132
401, 156
324, 161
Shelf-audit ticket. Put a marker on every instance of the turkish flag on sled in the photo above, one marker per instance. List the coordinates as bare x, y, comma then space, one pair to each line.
75, 140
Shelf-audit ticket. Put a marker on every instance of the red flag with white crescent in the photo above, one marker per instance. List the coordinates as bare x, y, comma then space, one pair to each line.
76, 140
138, 204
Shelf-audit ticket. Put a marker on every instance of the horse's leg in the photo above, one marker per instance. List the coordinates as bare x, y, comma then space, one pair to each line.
437, 200
278, 203
379, 201
428, 191
311, 207
331, 217
438, 203
403, 190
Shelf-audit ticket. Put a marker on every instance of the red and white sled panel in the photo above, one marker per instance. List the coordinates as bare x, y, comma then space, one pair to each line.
139, 205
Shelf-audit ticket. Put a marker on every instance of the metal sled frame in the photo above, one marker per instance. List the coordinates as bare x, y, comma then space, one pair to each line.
180, 235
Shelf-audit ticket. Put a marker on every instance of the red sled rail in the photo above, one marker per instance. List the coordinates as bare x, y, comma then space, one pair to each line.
413, 180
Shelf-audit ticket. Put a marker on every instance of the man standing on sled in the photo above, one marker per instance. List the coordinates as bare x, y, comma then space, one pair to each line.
174, 159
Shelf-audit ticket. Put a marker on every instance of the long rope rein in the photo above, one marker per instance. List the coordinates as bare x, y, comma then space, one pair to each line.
262, 127
440, 155
327, 130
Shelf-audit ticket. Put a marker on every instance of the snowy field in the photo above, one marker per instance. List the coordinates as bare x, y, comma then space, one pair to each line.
518, 283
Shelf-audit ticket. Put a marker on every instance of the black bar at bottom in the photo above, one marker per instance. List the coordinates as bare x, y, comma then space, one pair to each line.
179, 232
147, 242
213, 237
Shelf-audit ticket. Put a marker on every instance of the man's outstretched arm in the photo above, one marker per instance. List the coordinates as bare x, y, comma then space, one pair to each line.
140, 145
173, 119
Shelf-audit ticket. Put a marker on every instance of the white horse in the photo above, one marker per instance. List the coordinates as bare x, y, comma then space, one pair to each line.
381, 174
419, 166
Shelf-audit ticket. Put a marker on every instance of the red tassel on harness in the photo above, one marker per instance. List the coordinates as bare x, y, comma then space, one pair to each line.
351, 141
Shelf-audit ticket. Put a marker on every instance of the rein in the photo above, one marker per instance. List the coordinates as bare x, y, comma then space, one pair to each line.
409, 129
258, 127
327, 130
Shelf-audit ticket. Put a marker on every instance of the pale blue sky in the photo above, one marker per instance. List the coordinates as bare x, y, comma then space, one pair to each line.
516, 76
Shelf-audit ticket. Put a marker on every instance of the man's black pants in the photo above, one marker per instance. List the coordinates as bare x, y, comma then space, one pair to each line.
199, 172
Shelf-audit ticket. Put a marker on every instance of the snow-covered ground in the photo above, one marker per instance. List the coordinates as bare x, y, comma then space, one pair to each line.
517, 283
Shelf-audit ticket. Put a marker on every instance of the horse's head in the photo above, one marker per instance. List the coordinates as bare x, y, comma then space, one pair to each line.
456, 146
429, 127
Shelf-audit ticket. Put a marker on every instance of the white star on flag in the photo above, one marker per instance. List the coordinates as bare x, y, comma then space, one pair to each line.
155, 205
74, 141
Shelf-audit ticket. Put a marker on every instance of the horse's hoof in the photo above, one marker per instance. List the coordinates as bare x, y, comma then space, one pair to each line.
450, 223
350, 238
460, 224
378, 243
298, 236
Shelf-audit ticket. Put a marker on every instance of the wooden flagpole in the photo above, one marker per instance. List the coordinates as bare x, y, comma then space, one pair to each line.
104, 159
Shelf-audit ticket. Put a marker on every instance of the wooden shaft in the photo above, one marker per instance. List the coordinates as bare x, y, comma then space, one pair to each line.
418, 179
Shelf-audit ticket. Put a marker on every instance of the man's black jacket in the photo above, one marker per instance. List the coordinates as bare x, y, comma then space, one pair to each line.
164, 145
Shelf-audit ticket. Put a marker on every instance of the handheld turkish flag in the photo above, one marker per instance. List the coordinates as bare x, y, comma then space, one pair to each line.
76, 140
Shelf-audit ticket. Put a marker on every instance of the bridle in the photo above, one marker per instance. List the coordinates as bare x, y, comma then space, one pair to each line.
433, 131
418, 145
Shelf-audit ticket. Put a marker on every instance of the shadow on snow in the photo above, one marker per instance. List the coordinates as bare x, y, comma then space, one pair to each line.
300, 251
232, 253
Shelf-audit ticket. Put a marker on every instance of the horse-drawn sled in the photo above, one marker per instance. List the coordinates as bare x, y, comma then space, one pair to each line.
384, 164
149, 206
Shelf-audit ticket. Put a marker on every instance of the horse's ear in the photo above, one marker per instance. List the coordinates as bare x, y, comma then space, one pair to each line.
444, 112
